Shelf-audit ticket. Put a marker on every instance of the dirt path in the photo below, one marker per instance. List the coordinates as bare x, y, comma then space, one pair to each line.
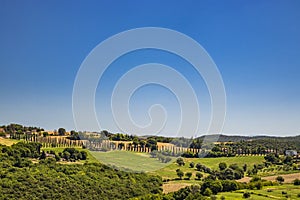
288, 178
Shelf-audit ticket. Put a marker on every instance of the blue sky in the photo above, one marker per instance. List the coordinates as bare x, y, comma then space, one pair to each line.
255, 45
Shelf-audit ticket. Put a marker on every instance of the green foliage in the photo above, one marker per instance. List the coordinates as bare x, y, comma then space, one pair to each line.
180, 173
61, 131
21, 179
296, 182
192, 164
199, 175
222, 166
180, 162
280, 179
188, 175
246, 195
207, 192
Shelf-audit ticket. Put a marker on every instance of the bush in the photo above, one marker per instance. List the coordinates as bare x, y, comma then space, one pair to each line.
246, 195
188, 175
207, 192
213, 197
222, 166
296, 182
180, 162
192, 165
199, 175
280, 179
255, 179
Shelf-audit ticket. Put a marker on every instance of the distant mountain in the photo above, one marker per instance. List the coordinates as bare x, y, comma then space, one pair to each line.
238, 138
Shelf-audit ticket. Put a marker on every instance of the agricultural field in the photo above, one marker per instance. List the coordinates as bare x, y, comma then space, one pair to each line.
8, 142
138, 162
285, 191
169, 172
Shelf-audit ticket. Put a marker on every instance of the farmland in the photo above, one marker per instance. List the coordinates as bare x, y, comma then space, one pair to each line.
285, 191
139, 162
169, 171
7, 142
230, 170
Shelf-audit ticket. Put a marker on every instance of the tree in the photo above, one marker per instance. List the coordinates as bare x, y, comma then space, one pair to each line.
234, 166
258, 185
83, 155
255, 179
288, 160
180, 173
43, 156
207, 192
245, 167
280, 179
45, 134
272, 157
180, 162
66, 155
222, 166
296, 182
61, 131
192, 165
246, 195
199, 175
216, 186
188, 175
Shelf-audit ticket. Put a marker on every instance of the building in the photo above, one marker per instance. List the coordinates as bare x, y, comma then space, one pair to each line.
291, 153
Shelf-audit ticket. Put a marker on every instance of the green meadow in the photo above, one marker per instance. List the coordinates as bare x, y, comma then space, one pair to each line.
267, 192
138, 162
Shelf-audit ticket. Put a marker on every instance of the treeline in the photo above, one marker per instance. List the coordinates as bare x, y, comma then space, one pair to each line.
203, 146
23, 179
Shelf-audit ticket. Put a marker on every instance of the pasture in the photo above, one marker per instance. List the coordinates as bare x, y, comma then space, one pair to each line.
169, 172
8, 142
132, 161
285, 191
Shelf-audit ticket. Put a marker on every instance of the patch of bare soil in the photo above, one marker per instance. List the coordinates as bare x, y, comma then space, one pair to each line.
172, 187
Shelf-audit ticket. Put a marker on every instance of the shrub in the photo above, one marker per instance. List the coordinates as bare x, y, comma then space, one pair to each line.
213, 197
222, 166
192, 165
207, 192
180, 162
296, 182
280, 179
199, 175
255, 179
188, 175
246, 195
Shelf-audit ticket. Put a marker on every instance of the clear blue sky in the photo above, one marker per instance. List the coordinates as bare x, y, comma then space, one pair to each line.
255, 44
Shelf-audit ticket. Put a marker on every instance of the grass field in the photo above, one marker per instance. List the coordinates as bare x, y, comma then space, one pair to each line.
169, 172
268, 192
8, 142
139, 162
